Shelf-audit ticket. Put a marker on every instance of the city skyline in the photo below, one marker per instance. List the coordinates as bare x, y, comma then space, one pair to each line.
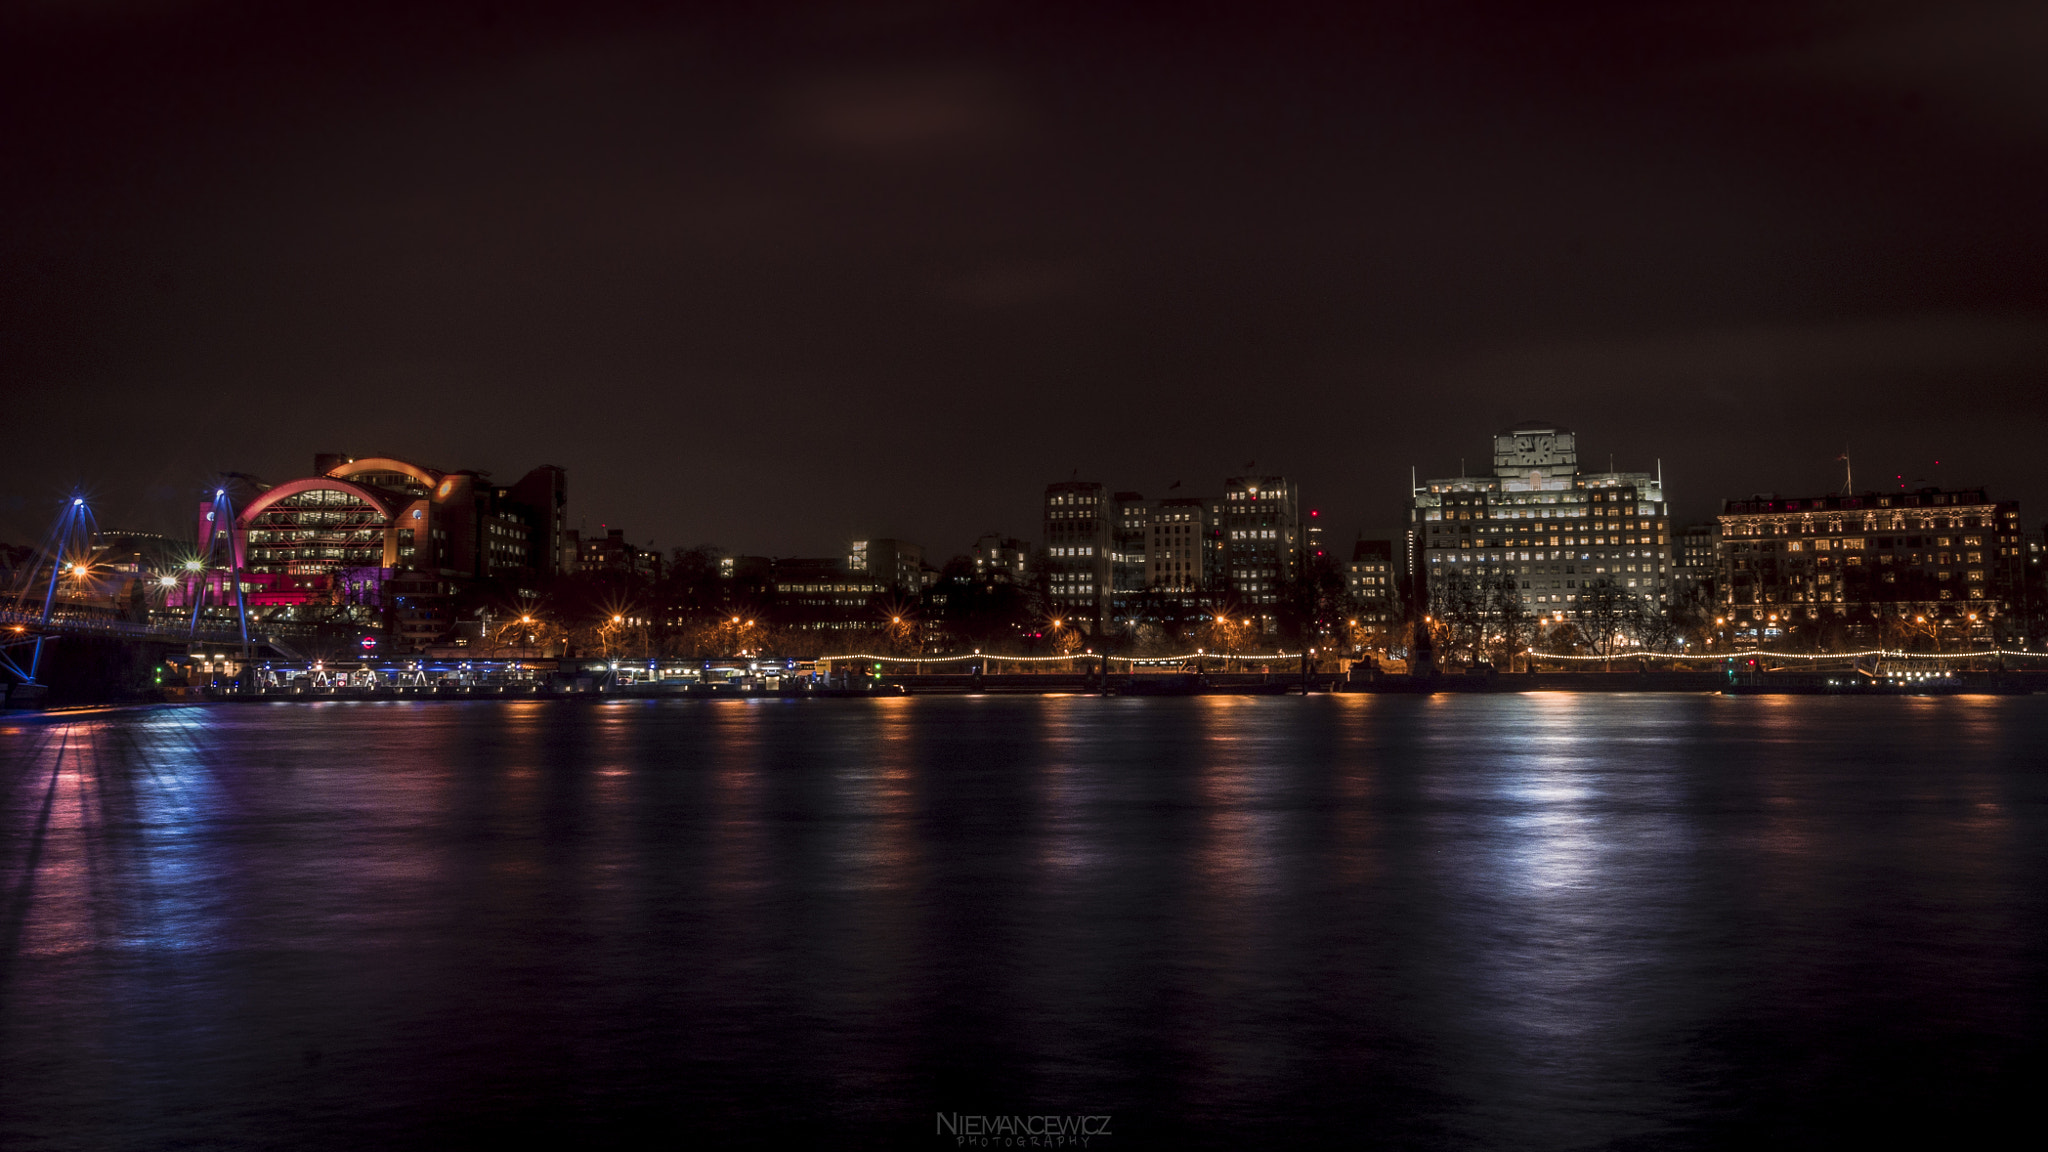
167, 509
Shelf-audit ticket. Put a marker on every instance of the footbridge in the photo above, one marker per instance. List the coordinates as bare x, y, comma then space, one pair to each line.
50, 605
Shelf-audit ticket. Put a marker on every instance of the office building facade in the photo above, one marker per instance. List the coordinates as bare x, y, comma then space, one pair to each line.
1371, 578
897, 565
1541, 520
1080, 536
1176, 546
1001, 559
1262, 537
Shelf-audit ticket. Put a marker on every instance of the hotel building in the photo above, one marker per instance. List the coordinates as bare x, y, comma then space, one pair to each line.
1935, 554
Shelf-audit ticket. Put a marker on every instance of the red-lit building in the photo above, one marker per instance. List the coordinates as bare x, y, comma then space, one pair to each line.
391, 535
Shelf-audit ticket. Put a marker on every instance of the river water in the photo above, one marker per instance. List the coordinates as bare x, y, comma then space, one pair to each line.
1506, 921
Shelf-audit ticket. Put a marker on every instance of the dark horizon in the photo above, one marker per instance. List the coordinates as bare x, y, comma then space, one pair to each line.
772, 279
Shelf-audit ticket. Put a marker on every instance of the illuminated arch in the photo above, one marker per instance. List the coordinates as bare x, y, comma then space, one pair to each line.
366, 494
427, 477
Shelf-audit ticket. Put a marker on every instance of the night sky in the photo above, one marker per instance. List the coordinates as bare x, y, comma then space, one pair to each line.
772, 277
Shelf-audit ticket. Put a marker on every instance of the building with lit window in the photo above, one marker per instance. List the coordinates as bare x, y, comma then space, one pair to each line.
369, 531
1001, 559
1176, 540
1080, 533
1878, 568
382, 514
823, 596
613, 554
1369, 577
1129, 539
1696, 560
896, 565
1542, 521
1262, 537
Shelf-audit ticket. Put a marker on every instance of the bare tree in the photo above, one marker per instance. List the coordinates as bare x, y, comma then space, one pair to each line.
1607, 613
1458, 608
1659, 629
1508, 620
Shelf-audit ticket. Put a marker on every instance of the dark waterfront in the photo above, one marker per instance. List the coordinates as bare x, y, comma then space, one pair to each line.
1495, 921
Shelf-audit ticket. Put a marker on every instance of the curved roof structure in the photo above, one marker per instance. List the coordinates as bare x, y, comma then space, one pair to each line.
426, 476
371, 496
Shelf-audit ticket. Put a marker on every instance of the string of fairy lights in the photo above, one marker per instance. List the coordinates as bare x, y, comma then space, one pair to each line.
1880, 653
1132, 660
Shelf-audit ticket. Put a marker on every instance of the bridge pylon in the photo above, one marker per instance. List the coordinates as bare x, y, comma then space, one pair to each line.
67, 549
219, 533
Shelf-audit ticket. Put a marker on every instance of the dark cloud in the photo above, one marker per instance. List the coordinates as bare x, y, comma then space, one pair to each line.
772, 275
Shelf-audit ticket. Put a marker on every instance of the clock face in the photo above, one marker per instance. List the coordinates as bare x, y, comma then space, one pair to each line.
1537, 449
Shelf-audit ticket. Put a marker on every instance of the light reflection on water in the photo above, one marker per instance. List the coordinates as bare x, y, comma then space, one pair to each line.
1505, 921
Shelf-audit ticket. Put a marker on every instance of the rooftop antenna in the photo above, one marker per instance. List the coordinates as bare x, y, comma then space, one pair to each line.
1414, 485
1848, 473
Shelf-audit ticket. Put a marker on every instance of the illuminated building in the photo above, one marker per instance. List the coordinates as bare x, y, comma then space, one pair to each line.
1079, 536
1881, 565
896, 565
1540, 520
1001, 559
1262, 530
1177, 537
1369, 577
823, 595
612, 553
375, 531
1696, 560
1127, 551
